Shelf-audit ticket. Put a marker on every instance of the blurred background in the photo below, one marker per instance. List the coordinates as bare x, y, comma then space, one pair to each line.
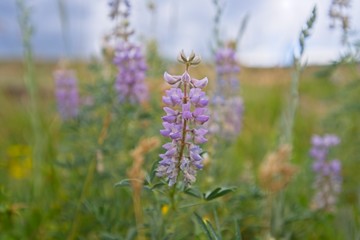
76, 28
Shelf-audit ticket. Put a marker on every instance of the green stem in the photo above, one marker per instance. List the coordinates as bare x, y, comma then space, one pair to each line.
183, 136
88, 180
289, 117
32, 88
290, 111
194, 204
172, 197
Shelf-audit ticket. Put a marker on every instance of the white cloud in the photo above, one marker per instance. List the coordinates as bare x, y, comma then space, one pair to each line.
269, 39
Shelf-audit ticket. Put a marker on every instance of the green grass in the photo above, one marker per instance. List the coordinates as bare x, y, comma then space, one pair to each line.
107, 211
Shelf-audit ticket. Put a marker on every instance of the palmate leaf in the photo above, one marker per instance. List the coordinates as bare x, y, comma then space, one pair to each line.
218, 192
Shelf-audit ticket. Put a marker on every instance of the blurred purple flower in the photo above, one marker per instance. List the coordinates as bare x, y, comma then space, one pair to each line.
227, 105
226, 60
328, 172
321, 146
185, 114
66, 92
227, 69
130, 81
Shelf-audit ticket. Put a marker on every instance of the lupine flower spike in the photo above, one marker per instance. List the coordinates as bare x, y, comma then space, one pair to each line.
130, 81
66, 92
227, 105
227, 69
328, 173
186, 107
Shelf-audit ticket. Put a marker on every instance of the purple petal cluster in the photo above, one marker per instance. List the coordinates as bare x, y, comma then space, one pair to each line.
227, 105
227, 117
328, 172
66, 93
186, 107
130, 81
227, 69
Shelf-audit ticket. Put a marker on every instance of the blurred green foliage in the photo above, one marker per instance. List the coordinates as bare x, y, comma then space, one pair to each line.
106, 211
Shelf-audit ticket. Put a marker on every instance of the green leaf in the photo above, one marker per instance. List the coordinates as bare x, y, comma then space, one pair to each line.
131, 233
153, 170
203, 226
147, 180
123, 183
212, 230
218, 192
157, 185
237, 230
109, 236
193, 192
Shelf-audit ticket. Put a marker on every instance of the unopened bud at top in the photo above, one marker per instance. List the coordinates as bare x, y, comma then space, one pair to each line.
191, 60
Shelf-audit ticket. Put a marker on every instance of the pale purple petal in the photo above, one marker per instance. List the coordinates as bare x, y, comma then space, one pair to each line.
200, 83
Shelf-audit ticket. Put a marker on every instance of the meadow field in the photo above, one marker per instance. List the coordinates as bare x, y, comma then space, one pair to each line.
106, 211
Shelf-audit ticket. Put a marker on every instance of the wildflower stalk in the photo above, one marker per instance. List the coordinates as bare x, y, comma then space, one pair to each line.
227, 106
328, 177
184, 129
185, 114
276, 218
89, 177
66, 92
294, 102
182, 145
130, 81
32, 88
290, 111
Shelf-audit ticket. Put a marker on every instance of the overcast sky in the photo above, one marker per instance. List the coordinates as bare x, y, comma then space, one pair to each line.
269, 40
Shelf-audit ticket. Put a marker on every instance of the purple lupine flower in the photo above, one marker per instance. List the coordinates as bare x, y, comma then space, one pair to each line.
321, 145
328, 172
66, 93
227, 105
227, 69
233, 114
184, 124
130, 81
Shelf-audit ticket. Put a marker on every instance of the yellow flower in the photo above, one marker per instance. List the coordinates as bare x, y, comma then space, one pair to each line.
19, 161
164, 209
